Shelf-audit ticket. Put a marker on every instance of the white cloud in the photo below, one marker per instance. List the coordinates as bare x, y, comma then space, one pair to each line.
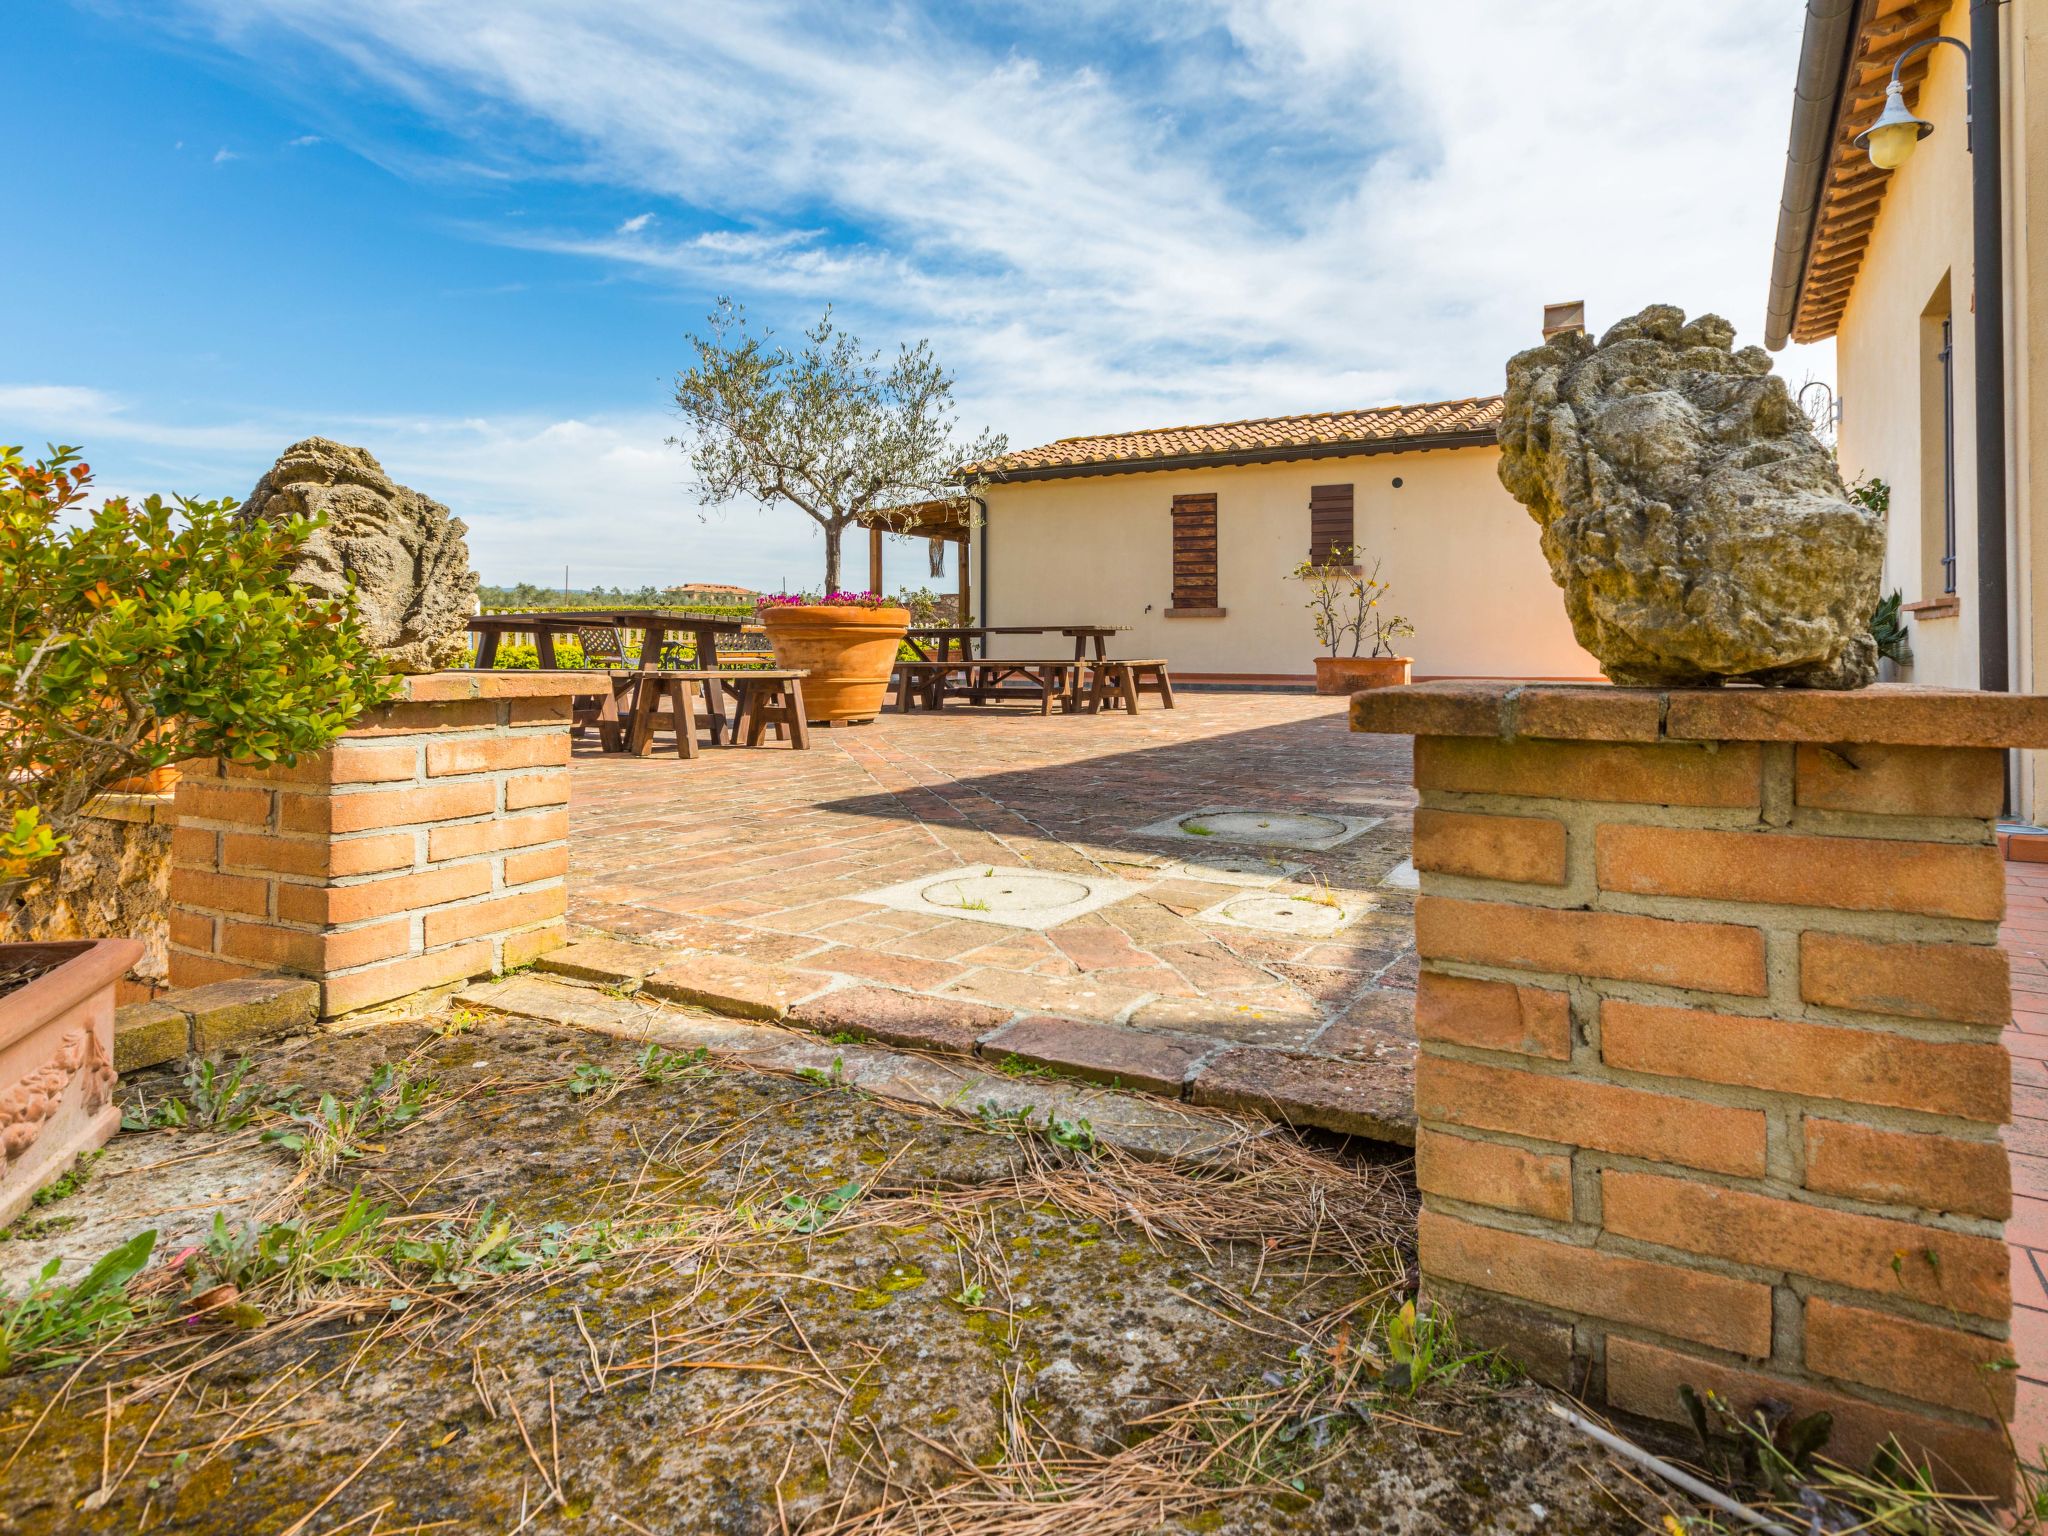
304, 141
1154, 211
1093, 244
606, 493
223, 155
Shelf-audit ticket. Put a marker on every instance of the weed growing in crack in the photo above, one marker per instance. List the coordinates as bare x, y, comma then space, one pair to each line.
52, 1324
659, 1065
807, 1214
334, 1131
834, 1078
589, 1078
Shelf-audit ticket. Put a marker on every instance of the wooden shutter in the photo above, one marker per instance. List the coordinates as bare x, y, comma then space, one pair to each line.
1194, 552
1329, 521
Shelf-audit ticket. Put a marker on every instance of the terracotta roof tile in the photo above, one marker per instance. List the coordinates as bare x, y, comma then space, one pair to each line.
1280, 436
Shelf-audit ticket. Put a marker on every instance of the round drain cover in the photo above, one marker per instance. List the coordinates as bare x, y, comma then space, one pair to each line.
1285, 829
1237, 864
1016, 894
1285, 914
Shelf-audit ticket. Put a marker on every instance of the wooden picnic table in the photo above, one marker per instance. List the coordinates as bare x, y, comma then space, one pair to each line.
945, 637
654, 626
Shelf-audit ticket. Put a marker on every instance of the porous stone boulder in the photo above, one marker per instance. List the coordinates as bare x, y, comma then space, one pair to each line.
413, 583
1698, 528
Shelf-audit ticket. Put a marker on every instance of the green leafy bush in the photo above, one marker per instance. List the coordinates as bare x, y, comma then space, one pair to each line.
133, 636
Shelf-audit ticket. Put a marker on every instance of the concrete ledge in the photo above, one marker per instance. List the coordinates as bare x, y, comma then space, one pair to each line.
218, 1016
1885, 714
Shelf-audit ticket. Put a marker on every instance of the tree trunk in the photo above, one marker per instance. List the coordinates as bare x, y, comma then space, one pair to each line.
832, 534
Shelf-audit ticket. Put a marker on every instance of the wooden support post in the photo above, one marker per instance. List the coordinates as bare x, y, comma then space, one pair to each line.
966, 591
874, 560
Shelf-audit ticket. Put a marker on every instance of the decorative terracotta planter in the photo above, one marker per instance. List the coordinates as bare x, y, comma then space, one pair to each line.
56, 1061
848, 652
1354, 674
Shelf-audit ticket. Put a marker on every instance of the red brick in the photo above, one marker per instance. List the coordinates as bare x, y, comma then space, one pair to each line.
195, 847
302, 950
243, 894
377, 809
540, 711
1645, 1378
1493, 1173
1715, 1310
1529, 849
1865, 1066
1709, 957
529, 944
1730, 774
400, 978
1493, 1015
1968, 983
465, 839
323, 904
1935, 1173
495, 754
317, 857
1918, 1360
496, 915
422, 719
1858, 874
1551, 1106
539, 864
1900, 781
241, 805
1870, 1253
193, 970
373, 762
192, 929
527, 790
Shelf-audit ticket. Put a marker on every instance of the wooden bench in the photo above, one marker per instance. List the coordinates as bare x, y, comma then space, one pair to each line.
765, 701
1119, 682
1039, 679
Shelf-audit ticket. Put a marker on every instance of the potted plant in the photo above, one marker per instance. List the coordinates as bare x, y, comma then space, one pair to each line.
845, 641
131, 637
1346, 600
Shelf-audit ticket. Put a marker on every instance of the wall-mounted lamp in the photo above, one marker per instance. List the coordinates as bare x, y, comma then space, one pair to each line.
1890, 140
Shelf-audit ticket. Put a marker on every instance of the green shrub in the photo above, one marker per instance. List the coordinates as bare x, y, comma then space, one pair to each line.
141, 635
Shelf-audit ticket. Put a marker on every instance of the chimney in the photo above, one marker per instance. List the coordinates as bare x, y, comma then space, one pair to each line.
1561, 319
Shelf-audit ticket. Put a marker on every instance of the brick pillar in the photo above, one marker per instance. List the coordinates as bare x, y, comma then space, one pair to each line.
428, 845
1711, 1080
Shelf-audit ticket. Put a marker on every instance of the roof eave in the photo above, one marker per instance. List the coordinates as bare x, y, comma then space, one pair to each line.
1826, 52
1478, 437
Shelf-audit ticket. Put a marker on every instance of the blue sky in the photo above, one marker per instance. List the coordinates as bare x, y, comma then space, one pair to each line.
471, 237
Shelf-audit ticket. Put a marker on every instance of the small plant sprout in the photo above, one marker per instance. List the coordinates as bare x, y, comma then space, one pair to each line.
657, 1064
808, 1214
589, 1078
835, 1077
51, 1324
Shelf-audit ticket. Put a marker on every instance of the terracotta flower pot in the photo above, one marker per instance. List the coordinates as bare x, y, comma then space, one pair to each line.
1354, 674
56, 1061
848, 652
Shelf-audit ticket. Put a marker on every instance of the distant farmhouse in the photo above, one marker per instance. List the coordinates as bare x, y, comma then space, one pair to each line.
1191, 536
697, 594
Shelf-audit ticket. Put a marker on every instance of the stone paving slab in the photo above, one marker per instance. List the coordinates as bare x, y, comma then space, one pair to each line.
756, 863
1102, 1053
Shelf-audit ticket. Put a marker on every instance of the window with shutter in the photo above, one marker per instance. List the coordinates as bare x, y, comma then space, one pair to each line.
1194, 555
1329, 523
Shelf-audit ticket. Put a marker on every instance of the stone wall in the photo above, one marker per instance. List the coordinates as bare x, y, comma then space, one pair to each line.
1711, 1079
428, 846
113, 882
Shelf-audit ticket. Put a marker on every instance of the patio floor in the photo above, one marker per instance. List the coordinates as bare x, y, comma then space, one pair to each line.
1234, 955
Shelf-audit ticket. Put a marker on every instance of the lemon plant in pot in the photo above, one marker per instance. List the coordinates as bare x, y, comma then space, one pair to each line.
1348, 601
826, 429
131, 637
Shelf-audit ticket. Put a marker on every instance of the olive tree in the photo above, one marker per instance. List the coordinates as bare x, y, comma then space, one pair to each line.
823, 427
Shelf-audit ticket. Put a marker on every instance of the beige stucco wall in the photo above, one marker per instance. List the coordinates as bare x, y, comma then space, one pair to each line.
1922, 235
1462, 556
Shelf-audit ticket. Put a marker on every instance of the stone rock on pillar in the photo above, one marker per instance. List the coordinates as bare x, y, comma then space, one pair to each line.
1711, 1077
429, 845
